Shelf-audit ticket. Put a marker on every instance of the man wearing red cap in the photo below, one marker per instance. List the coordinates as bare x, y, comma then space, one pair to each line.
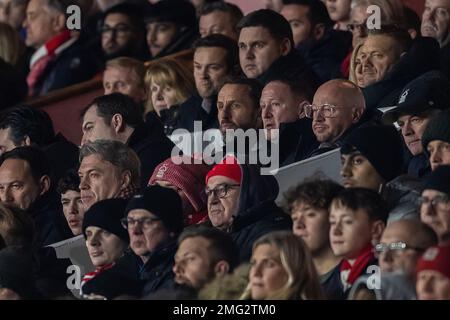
433, 274
241, 202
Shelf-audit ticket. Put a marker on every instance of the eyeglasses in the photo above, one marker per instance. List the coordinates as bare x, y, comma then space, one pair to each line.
438, 202
118, 30
220, 191
146, 222
327, 110
384, 248
362, 27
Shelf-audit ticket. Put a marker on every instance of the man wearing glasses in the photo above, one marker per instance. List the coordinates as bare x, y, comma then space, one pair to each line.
337, 107
123, 33
435, 203
402, 244
241, 203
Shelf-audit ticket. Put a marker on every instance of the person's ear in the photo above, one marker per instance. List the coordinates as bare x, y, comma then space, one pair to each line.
117, 122
301, 109
377, 230
26, 141
44, 184
125, 180
59, 22
221, 268
318, 31
285, 46
357, 114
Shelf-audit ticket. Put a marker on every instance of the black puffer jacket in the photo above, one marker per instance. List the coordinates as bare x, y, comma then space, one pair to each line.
257, 213
422, 57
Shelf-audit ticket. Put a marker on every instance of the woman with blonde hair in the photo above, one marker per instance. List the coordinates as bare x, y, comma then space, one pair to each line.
355, 74
282, 269
169, 84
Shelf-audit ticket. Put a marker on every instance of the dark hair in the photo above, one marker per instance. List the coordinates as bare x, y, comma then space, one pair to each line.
317, 12
28, 121
254, 85
116, 103
394, 31
224, 42
233, 10
70, 181
36, 159
134, 14
274, 22
368, 200
304, 84
317, 193
180, 12
412, 19
221, 245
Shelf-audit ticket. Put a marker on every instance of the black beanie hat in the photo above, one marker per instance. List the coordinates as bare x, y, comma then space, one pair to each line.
106, 214
16, 271
438, 128
162, 202
381, 145
439, 180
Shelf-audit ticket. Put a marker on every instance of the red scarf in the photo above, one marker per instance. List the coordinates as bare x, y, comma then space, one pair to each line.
93, 274
43, 56
358, 267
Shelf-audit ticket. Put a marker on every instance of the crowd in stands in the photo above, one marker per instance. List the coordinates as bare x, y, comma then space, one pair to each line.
319, 76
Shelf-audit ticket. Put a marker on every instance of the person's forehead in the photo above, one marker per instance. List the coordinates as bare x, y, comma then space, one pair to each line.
71, 194
438, 143
438, 3
302, 205
253, 34
196, 244
215, 18
234, 92
396, 232
276, 89
294, 11
217, 180
113, 19
95, 161
267, 251
432, 193
140, 213
5, 134
119, 73
91, 114
15, 169
93, 229
206, 55
378, 42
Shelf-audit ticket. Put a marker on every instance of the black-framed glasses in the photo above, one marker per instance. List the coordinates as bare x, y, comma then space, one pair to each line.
145, 223
220, 191
384, 248
440, 201
327, 110
120, 29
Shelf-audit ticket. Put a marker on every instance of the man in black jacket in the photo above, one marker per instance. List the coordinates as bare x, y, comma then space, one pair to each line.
25, 183
241, 202
118, 117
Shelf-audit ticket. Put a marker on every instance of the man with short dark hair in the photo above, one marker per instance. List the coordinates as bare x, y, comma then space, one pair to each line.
25, 126
266, 47
203, 254
323, 48
59, 60
25, 183
436, 140
220, 17
73, 208
238, 105
420, 100
123, 33
215, 60
117, 117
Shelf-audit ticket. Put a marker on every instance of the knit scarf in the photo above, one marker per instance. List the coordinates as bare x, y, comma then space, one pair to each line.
93, 274
44, 55
349, 273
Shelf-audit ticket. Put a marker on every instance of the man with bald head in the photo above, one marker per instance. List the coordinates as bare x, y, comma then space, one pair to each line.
337, 108
402, 244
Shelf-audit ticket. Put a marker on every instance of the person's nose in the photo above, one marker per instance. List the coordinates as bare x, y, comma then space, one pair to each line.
346, 171
407, 129
435, 157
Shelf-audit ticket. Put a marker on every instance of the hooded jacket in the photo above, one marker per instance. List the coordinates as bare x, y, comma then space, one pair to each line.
421, 58
257, 213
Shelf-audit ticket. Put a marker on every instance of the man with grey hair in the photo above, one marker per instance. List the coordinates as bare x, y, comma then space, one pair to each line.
59, 60
108, 169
